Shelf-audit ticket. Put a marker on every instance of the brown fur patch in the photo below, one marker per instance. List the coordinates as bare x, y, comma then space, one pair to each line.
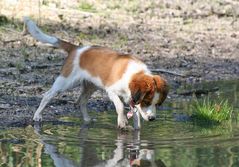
68, 47
162, 88
68, 64
104, 63
144, 84
148, 85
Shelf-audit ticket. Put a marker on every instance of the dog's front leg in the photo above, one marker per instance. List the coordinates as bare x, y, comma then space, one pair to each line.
122, 121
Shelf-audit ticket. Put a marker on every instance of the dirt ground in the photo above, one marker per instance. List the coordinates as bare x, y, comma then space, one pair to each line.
190, 41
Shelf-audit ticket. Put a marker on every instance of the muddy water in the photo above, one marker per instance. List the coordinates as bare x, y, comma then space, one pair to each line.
172, 141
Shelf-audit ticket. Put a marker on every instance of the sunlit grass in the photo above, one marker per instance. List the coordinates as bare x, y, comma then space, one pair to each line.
87, 7
211, 111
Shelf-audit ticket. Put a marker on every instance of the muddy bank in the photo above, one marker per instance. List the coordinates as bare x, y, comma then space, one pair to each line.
190, 43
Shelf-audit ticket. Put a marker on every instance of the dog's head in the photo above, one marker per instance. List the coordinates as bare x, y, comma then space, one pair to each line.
146, 92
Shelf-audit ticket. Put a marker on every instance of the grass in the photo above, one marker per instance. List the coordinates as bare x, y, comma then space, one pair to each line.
211, 111
87, 7
120, 41
3, 20
85, 36
20, 65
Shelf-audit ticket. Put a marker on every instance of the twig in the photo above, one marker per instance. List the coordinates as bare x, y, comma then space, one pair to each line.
5, 106
12, 30
6, 71
10, 41
45, 66
169, 72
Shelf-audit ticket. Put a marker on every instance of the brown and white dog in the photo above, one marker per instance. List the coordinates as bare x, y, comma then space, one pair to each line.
122, 76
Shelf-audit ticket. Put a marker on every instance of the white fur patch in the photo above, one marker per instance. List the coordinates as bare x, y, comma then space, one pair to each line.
61, 83
156, 98
150, 110
121, 87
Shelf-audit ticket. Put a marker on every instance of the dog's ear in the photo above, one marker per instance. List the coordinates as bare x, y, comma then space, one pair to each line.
137, 96
162, 87
139, 86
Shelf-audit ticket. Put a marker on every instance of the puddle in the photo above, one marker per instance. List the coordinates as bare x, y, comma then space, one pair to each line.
171, 141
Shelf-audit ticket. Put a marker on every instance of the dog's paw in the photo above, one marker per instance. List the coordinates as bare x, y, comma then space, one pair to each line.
37, 118
122, 122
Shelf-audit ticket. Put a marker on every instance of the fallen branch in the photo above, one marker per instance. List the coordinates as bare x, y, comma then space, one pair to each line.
11, 41
198, 92
42, 66
169, 72
11, 30
5, 106
7, 71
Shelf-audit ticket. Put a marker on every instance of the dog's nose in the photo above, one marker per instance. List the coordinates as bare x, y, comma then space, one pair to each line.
151, 118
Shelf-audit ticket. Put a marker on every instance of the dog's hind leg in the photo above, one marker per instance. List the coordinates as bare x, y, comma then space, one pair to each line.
61, 84
87, 90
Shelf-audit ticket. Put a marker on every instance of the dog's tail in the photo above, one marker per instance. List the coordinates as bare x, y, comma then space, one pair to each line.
36, 33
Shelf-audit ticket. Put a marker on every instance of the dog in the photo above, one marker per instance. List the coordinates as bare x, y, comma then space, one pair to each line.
122, 76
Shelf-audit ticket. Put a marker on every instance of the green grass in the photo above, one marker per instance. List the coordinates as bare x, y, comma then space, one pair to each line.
87, 7
211, 111
3, 20
86, 36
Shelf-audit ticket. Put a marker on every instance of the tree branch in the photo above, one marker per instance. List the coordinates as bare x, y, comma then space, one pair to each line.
169, 72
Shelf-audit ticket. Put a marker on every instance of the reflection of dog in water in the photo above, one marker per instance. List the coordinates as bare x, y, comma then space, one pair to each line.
145, 157
129, 153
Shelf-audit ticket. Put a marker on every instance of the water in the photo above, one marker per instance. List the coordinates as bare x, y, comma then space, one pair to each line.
171, 141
